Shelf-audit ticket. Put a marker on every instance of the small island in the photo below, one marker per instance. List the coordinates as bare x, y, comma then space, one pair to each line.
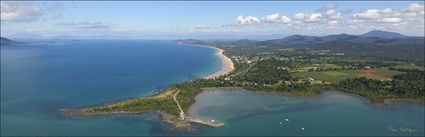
288, 67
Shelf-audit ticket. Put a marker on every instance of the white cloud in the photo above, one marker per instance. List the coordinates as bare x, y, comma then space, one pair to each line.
314, 17
25, 11
201, 27
412, 10
387, 11
241, 20
391, 20
334, 22
410, 18
17, 11
368, 14
412, 14
415, 7
299, 16
333, 14
308, 18
275, 18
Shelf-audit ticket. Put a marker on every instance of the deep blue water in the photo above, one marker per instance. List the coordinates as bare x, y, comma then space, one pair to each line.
38, 80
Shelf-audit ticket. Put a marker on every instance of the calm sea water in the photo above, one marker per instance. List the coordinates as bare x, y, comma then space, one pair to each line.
332, 113
36, 81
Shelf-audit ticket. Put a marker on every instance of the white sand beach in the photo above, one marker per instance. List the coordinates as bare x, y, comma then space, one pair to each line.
227, 65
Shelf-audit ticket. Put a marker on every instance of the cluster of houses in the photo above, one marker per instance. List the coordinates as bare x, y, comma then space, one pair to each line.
241, 59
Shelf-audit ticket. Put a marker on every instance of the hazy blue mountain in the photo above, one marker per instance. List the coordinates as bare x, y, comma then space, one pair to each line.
342, 36
375, 36
106, 36
64, 37
296, 39
301, 39
27, 36
383, 34
5, 41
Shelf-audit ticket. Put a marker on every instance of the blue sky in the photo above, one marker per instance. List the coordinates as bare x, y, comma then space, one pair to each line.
209, 19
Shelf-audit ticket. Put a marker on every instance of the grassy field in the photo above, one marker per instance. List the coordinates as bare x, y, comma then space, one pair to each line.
326, 66
388, 73
335, 73
336, 76
330, 66
329, 76
409, 66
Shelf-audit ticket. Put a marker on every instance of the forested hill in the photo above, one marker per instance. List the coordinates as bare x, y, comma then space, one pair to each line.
372, 44
375, 36
383, 34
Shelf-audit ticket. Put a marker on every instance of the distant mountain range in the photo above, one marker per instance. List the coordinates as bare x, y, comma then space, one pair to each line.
375, 36
372, 37
383, 34
5, 41
375, 43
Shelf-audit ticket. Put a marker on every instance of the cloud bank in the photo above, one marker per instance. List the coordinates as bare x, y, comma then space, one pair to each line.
84, 25
24, 11
329, 16
17, 11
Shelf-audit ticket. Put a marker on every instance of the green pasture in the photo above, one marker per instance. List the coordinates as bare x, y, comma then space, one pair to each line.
329, 76
409, 66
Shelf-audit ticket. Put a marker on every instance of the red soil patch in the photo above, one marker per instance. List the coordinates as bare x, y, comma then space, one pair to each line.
369, 73
371, 70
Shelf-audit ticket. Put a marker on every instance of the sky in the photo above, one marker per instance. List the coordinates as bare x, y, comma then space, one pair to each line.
208, 19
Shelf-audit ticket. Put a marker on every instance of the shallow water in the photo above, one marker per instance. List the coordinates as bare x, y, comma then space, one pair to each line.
332, 113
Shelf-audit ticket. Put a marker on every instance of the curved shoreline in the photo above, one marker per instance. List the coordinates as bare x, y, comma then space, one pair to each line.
182, 122
171, 118
226, 68
227, 64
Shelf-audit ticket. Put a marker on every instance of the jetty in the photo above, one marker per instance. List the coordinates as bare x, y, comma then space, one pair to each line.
210, 123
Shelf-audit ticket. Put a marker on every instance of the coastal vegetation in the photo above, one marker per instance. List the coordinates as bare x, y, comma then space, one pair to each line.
406, 85
302, 69
162, 101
